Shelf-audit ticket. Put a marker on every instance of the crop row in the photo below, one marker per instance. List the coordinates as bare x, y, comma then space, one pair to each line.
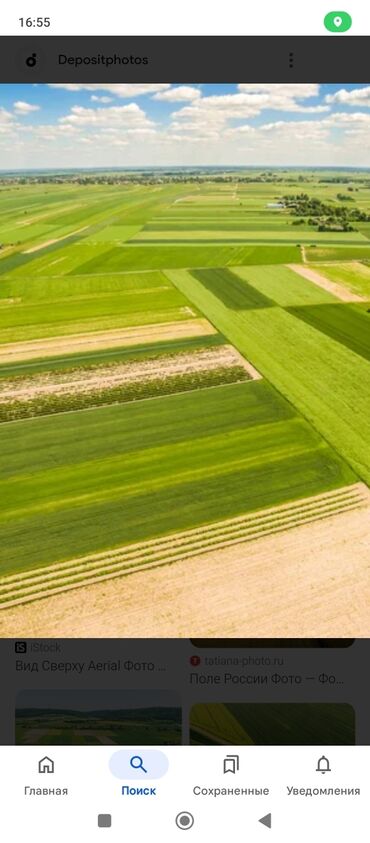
42, 582
134, 391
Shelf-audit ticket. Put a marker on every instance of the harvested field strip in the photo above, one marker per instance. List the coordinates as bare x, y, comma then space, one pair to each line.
337, 290
357, 491
35, 349
352, 275
122, 393
82, 379
22, 588
70, 362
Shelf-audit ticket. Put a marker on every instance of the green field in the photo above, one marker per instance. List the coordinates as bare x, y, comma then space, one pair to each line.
325, 380
152, 257
349, 324
46, 307
233, 292
122, 463
283, 286
288, 235
338, 253
100, 478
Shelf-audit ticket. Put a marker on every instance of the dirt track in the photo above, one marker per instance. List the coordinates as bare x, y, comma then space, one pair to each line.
56, 240
336, 289
312, 581
34, 349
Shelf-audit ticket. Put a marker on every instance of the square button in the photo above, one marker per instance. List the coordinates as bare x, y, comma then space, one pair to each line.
104, 820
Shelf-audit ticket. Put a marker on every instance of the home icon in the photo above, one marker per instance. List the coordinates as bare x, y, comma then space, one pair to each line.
46, 765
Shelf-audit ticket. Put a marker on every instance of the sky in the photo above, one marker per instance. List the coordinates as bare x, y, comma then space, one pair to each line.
145, 125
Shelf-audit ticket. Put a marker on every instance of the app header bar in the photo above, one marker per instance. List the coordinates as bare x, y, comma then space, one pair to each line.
180, 59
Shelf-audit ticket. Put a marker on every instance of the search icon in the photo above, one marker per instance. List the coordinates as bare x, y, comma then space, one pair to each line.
137, 763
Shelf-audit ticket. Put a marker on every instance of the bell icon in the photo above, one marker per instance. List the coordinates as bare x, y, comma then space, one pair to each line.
323, 765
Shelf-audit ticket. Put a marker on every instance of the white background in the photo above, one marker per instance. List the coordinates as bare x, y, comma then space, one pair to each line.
168, 17
93, 790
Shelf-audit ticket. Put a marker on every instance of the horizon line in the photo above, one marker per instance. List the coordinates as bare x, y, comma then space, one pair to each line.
231, 167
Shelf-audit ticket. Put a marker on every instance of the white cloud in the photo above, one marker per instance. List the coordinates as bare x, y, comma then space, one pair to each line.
358, 96
118, 116
250, 101
5, 116
298, 90
286, 97
8, 125
101, 99
245, 129
182, 93
279, 92
141, 131
203, 128
124, 91
214, 112
298, 130
230, 105
21, 107
341, 118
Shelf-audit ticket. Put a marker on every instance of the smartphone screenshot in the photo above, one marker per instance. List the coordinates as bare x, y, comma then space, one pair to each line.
184, 423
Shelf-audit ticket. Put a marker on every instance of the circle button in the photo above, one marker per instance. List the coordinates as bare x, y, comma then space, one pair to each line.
184, 820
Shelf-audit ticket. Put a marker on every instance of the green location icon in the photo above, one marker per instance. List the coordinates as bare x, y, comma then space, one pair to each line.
338, 21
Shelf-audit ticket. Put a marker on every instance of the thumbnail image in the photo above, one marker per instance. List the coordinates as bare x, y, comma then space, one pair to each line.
97, 717
270, 724
184, 360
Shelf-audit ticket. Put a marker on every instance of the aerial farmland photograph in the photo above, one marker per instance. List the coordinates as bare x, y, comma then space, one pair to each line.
272, 724
92, 717
185, 360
